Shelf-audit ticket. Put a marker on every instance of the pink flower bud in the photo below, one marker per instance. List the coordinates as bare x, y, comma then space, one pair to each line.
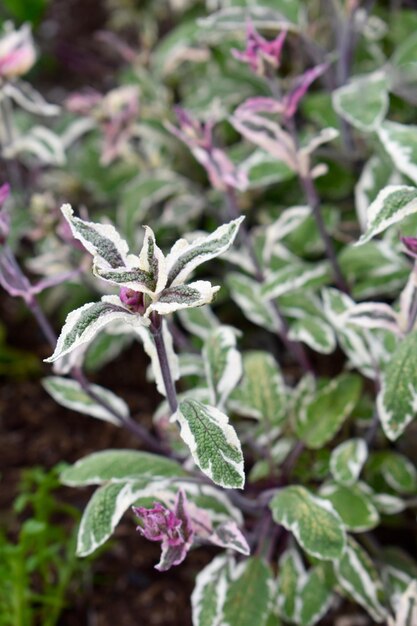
260, 51
17, 52
132, 299
411, 245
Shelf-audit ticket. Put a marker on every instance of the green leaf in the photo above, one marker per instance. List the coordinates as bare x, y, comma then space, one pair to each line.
209, 593
353, 504
143, 193
347, 460
119, 466
212, 441
246, 292
294, 277
357, 575
397, 398
324, 415
400, 141
290, 571
313, 521
314, 596
262, 393
70, 394
364, 101
392, 204
399, 472
248, 595
262, 169
223, 363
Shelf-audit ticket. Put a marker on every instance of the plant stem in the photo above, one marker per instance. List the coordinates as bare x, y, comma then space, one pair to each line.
313, 201
157, 334
136, 429
77, 374
293, 347
43, 322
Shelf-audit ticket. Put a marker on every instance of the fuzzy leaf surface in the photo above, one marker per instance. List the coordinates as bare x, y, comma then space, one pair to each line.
313, 521
212, 441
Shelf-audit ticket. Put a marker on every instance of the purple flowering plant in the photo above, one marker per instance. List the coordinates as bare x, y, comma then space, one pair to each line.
280, 332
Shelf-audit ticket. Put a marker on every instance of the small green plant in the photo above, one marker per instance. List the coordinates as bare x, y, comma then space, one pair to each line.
38, 567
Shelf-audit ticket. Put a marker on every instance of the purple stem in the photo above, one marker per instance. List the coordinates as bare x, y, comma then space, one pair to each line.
293, 347
137, 429
314, 203
156, 330
43, 323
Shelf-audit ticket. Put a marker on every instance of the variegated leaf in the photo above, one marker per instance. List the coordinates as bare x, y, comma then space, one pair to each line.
150, 349
262, 392
293, 277
290, 572
353, 504
364, 101
288, 221
183, 297
327, 411
357, 575
266, 134
119, 466
246, 292
392, 204
212, 441
347, 460
185, 257
397, 399
223, 363
83, 324
248, 595
199, 321
209, 593
101, 240
313, 521
315, 332
314, 596
229, 536
105, 509
70, 394
400, 141
376, 174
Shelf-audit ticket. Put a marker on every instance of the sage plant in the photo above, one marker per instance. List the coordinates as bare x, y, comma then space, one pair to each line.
283, 345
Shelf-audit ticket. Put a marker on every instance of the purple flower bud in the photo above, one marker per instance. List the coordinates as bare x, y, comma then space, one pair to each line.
132, 299
260, 51
159, 524
172, 528
411, 244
